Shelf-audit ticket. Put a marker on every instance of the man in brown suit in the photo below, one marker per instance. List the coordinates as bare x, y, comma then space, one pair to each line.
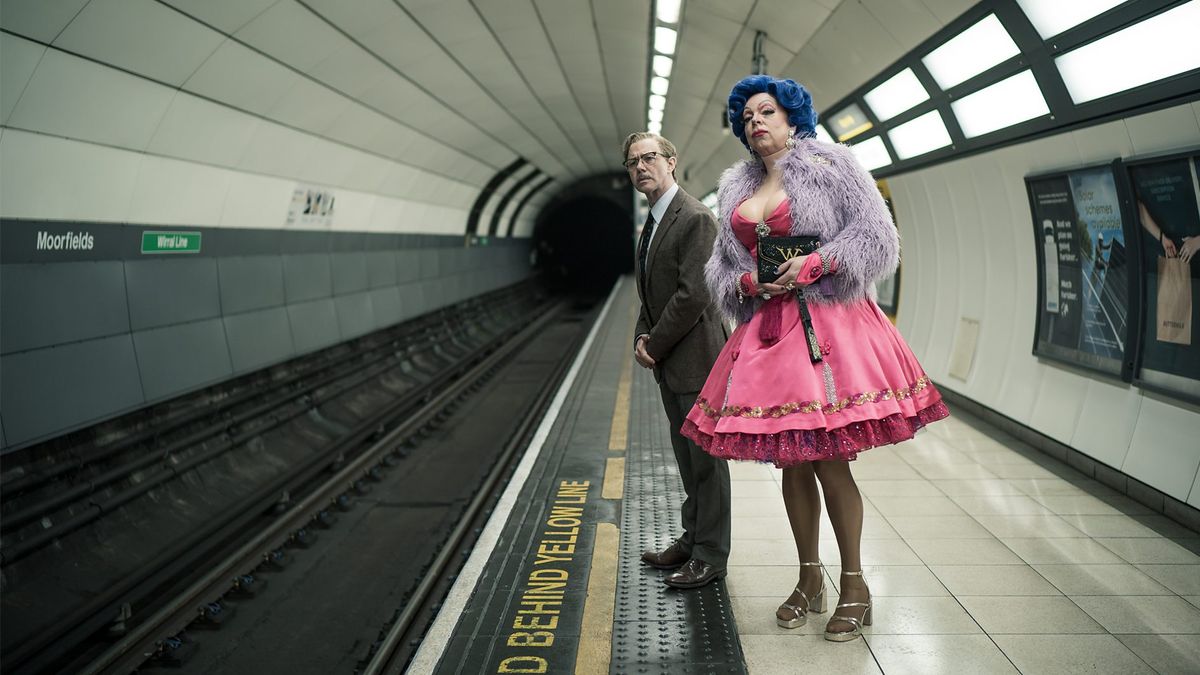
679, 335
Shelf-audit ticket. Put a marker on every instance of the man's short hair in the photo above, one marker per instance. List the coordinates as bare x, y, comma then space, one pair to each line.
666, 148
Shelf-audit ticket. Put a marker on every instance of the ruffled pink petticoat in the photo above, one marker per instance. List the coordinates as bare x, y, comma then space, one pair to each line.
770, 403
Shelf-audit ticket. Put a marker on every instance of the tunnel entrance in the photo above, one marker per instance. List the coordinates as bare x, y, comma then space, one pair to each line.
584, 238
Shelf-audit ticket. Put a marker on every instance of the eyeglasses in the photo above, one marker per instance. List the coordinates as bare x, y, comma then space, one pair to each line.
648, 158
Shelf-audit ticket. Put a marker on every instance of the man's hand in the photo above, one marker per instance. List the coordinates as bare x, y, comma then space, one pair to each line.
641, 355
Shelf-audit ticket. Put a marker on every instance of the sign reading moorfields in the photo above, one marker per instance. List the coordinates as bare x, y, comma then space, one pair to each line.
1166, 205
1083, 274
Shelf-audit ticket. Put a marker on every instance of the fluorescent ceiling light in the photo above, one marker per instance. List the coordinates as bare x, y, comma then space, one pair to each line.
657, 102
659, 85
654, 127
1051, 17
654, 115
901, 92
971, 52
1003, 104
1159, 47
823, 135
871, 153
662, 65
664, 40
668, 10
924, 134
848, 122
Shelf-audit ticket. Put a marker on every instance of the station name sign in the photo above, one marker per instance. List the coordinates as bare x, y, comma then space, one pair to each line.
70, 241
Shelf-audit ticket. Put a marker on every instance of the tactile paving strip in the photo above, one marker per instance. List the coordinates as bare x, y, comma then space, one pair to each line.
658, 629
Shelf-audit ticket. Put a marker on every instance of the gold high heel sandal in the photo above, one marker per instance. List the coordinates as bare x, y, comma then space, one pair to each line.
856, 624
817, 604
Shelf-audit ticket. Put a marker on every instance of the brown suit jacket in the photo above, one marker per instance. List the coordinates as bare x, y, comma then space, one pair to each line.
685, 328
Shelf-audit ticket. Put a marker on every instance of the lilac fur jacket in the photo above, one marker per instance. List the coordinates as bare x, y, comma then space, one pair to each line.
832, 197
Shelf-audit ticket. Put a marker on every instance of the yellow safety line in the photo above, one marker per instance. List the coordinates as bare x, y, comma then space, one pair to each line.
618, 436
614, 479
595, 635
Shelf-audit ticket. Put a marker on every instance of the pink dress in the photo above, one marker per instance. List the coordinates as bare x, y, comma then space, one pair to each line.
771, 403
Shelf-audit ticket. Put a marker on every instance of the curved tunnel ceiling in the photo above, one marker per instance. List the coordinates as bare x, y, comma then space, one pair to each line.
423, 100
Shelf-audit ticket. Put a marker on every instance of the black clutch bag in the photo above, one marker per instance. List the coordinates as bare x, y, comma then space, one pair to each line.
774, 251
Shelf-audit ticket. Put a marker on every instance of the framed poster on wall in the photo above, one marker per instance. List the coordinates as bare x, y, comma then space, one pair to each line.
888, 288
1083, 267
1163, 194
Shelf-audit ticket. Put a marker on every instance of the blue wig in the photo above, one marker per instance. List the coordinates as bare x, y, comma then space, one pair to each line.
794, 98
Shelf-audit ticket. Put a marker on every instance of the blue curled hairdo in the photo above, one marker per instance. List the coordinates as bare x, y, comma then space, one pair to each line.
794, 98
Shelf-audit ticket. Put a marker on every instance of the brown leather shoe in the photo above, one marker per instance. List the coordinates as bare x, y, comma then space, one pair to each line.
694, 574
668, 559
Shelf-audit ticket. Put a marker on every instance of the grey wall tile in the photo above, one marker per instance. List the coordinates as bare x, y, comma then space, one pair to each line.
180, 358
429, 262
354, 314
314, 325
49, 391
250, 282
349, 272
307, 276
408, 265
48, 304
381, 269
385, 303
171, 290
258, 339
411, 302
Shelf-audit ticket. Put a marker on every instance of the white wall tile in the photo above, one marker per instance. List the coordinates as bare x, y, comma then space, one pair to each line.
1165, 450
1162, 130
1106, 420
257, 201
18, 58
177, 192
39, 19
54, 178
199, 130
140, 36
76, 98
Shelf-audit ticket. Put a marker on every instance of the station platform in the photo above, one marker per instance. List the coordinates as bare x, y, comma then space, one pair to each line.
982, 555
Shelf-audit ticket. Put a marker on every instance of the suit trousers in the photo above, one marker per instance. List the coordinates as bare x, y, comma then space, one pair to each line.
706, 509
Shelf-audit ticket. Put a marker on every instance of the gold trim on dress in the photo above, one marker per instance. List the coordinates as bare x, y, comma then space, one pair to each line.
776, 411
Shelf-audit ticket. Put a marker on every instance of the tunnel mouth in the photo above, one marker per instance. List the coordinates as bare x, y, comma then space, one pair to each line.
583, 244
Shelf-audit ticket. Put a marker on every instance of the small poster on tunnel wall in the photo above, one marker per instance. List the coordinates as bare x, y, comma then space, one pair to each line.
1165, 195
1083, 269
311, 208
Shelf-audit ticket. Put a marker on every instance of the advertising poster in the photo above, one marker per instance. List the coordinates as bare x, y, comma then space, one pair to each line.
1165, 198
310, 208
1083, 269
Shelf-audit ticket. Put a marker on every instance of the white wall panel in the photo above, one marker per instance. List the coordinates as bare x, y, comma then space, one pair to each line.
54, 178
1147, 436
278, 151
242, 78
1107, 418
175, 192
257, 201
141, 36
1164, 452
18, 58
227, 16
308, 105
1163, 130
73, 97
39, 19
199, 130
1194, 495
292, 34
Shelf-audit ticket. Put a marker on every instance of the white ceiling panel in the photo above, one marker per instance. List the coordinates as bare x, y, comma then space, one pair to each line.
789, 25
141, 36
290, 33
946, 10
76, 98
625, 45
18, 58
518, 28
909, 21
39, 19
227, 16
199, 130
309, 106
238, 76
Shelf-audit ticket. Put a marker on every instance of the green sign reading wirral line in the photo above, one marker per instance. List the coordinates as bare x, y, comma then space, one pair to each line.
170, 242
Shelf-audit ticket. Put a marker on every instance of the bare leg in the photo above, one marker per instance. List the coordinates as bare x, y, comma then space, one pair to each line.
845, 505
803, 506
